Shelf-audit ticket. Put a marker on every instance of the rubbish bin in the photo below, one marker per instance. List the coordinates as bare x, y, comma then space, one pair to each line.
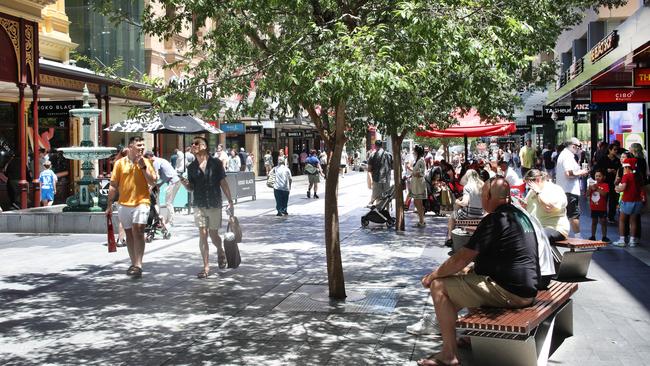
459, 237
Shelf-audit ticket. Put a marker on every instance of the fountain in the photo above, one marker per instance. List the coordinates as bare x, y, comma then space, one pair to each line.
83, 200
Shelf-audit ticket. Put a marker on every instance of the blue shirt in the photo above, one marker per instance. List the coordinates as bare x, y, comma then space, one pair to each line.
47, 179
166, 171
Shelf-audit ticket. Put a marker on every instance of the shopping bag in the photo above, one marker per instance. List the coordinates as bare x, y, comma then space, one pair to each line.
112, 245
231, 238
270, 180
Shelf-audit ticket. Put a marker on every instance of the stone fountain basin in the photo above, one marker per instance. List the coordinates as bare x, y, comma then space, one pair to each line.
52, 219
87, 153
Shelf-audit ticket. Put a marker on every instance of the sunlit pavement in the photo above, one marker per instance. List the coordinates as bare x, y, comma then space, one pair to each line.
65, 300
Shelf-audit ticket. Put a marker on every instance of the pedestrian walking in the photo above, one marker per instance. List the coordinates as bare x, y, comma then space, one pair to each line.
344, 162
249, 162
206, 179
234, 162
243, 156
527, 157
418, 190
379, 166
322, 156
268, 162
48, 184
131, 178
166, 175
313, 170
281, 187
222, 156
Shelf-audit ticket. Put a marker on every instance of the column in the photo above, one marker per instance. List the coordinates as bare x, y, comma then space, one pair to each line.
107, 124
22, 147
36, 183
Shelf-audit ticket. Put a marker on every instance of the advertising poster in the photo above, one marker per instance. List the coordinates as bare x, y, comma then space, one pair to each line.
629, 121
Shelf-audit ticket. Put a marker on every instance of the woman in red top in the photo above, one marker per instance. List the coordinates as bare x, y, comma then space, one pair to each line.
631, 203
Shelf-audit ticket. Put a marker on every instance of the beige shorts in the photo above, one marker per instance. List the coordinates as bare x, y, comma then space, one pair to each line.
208, 217
133, 215
472, 291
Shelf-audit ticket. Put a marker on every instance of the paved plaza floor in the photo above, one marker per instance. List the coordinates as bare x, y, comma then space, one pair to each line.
66, 301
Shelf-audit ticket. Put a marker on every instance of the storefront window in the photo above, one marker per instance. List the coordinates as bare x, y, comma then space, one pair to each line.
8, 132
101, 40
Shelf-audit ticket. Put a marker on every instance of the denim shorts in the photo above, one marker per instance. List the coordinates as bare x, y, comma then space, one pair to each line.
631, 208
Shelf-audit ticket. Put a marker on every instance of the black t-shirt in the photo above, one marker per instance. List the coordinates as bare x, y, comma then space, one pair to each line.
604, 163
206, 185
507, 246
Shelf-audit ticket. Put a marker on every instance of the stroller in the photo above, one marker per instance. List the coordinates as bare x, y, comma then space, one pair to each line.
154, 222
432, 203
380, 210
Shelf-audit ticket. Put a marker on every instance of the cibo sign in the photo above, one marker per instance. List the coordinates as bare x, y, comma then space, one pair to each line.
620, 95
605, 46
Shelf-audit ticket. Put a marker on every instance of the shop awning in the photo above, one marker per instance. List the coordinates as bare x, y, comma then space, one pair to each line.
472, 125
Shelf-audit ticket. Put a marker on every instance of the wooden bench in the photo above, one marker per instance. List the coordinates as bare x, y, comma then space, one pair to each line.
574, 263
521, 337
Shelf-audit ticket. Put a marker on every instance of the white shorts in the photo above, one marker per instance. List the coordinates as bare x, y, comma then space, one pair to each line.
133, 215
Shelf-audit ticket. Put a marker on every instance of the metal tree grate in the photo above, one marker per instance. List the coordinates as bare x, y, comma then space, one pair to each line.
314, 298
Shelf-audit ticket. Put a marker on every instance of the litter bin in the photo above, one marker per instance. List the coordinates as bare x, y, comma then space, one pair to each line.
459, 237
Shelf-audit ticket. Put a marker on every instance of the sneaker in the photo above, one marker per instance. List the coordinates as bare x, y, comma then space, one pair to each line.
606, 239
632, 244
426, 325
308, 194
619, 243
592, 238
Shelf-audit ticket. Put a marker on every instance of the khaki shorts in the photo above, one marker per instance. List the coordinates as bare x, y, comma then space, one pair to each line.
208, 217
133, 215
473, 291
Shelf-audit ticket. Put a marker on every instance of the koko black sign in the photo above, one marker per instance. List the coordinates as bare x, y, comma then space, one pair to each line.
58, 108
586, 106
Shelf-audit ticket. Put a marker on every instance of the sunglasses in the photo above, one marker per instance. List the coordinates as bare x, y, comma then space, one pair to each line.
197, 143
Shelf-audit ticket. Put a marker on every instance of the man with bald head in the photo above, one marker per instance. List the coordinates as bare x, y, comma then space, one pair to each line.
505, 274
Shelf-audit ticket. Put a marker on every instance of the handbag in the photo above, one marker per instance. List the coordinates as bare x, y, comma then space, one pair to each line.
110, 232
270, 180
232, 237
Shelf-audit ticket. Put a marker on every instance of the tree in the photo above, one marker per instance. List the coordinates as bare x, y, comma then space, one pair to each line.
347, 62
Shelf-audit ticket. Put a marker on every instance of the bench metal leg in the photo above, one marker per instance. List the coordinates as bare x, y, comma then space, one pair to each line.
575, 264
490, 348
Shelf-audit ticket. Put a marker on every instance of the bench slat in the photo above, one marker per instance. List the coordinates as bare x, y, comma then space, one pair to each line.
519, 321
578, 243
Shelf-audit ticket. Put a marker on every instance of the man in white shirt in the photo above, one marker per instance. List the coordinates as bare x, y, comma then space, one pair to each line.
180, 161
166, 174
568, 174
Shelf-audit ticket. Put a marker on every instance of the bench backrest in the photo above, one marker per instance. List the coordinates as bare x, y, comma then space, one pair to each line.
471, 222
520, 321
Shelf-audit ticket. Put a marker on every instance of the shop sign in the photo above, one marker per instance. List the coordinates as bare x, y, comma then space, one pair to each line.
523, 129
238, 128
309, 135
642, 76
254, 129
620, 95
291, 134
532, 120
605, 46
560, 111
538, 113
585, 105
58, 108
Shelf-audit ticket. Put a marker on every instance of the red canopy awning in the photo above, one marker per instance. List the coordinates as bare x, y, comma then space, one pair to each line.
471, 125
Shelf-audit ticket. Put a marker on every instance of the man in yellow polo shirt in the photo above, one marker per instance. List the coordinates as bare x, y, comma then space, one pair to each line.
132, 176
527, 157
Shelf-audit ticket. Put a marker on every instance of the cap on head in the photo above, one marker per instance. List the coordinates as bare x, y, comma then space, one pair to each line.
573, 141
241, 149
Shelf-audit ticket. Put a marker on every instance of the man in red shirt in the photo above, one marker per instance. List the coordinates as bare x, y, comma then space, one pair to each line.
598, 192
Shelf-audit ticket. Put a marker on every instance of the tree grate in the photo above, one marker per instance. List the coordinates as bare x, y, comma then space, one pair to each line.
314, 298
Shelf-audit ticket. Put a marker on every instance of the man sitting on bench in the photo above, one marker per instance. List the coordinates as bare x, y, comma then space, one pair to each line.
506, 268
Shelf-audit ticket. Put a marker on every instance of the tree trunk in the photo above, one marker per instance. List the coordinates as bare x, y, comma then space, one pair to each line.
335, 277
397, 177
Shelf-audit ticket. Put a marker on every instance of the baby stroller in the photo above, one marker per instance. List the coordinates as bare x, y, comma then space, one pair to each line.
432, 203
154, 222
380, 210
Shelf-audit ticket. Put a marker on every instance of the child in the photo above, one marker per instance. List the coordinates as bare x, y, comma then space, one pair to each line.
597, 193
48, 184
631, 204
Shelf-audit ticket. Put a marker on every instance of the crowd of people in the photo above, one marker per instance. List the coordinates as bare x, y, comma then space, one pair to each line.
523, 207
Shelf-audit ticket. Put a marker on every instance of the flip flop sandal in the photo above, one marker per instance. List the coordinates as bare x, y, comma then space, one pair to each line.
222, 261
129, 271
135, 272
202, 275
